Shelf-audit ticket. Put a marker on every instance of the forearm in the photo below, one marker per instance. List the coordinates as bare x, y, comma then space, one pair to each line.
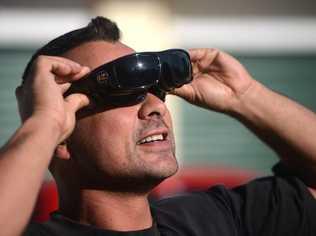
288, 127
23, 163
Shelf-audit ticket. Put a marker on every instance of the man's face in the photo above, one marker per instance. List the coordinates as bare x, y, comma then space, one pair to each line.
119, 143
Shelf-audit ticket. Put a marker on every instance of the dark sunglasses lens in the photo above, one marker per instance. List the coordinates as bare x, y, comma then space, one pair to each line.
137, 71
181, 67
176, 69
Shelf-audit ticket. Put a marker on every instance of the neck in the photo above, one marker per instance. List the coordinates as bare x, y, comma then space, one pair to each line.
108, 210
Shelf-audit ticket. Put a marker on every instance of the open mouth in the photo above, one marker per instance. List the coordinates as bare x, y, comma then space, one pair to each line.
153, 138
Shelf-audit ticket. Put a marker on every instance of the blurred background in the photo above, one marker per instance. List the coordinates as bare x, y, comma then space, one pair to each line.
275, 40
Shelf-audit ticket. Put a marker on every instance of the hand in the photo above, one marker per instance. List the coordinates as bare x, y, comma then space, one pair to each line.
219, 80
42, 92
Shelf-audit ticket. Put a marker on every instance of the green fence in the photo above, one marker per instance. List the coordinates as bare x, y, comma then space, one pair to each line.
12, 63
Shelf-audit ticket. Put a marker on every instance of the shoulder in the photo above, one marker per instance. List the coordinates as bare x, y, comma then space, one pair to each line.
212, 197
269, 203
198, 213
280, 205
277, 189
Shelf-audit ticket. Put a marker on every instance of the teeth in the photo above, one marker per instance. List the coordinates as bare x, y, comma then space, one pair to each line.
157, 137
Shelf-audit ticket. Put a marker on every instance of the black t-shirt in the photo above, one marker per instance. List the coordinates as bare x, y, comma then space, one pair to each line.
59, 225
267, 206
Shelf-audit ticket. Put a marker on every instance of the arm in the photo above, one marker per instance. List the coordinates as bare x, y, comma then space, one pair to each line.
286, 126
46, 123
222, 84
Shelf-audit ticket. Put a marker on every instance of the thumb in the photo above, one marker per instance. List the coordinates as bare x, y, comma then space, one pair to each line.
76, 101
186, 92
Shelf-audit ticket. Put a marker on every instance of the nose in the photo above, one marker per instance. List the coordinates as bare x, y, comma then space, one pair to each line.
152, 106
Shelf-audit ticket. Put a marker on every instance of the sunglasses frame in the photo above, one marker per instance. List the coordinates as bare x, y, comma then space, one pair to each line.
105, 82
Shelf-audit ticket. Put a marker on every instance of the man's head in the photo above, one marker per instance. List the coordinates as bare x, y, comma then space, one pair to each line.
99, 29
114, 148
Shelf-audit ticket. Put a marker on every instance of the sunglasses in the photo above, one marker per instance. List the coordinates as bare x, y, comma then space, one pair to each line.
128, 79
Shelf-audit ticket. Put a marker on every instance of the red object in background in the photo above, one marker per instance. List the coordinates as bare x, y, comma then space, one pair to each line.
47, 201
188, 179
201, 178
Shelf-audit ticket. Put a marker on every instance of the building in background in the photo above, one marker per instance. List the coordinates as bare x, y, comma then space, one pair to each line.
274, 39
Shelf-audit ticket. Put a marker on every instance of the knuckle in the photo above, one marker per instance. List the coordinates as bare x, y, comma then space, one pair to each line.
209, 51
41, 60
39, 63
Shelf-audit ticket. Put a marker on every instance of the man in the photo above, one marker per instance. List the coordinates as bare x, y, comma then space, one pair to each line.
105, 165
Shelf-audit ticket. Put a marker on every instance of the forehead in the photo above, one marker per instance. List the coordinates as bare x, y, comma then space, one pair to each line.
94, 54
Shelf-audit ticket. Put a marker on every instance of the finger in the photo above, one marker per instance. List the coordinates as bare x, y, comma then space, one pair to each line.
58, 65
76, 101
63, 69
209, 57
185, 92
78, 71
203, 56
196, 54
61, 66
64, 87
195, 69
84, 71
64, 61
73, 76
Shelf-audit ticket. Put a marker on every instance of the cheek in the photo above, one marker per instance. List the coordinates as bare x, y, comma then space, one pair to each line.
105, 137
168, 119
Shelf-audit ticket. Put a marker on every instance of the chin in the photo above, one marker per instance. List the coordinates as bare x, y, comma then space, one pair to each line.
165, 170
147, 179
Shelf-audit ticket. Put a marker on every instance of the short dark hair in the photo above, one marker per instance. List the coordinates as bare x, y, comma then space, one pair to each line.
99, 28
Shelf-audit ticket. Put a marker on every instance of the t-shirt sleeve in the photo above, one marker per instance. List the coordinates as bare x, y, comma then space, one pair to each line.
279, 205
35, 229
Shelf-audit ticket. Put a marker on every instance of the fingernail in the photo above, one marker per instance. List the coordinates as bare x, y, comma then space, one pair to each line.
86, 68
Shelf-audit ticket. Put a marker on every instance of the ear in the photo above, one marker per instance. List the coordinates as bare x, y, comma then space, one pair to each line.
19, 98
62, 151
